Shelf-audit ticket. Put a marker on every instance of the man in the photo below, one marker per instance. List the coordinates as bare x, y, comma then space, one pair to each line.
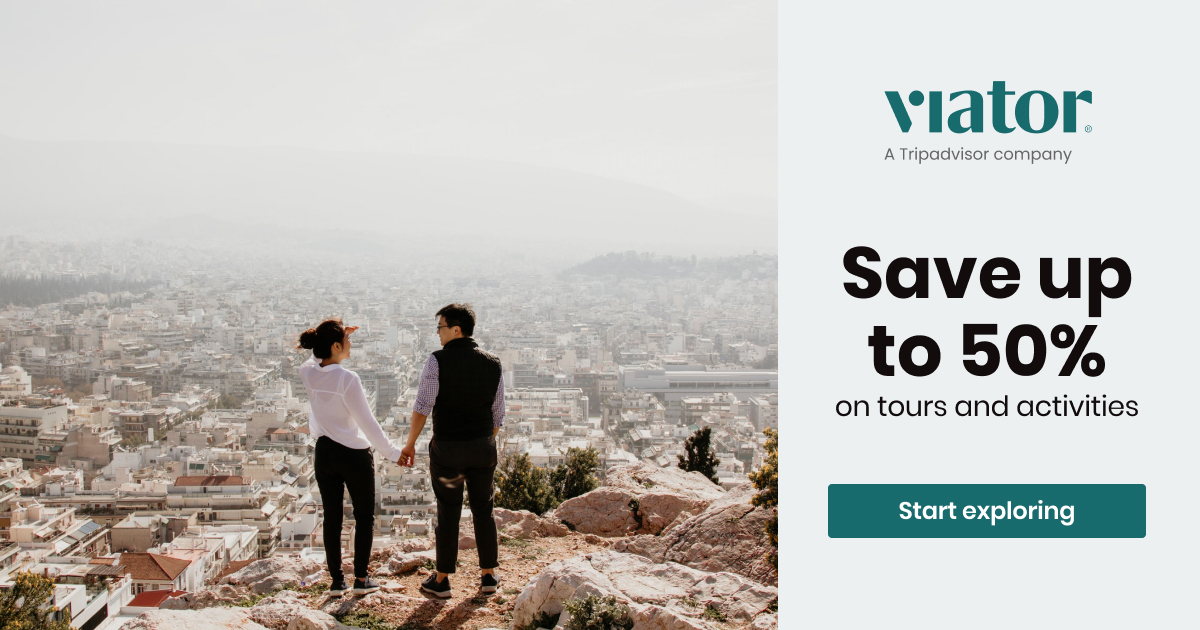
462, 389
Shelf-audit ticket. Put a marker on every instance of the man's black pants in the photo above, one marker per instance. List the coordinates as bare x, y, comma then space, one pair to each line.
451, 463
339, 467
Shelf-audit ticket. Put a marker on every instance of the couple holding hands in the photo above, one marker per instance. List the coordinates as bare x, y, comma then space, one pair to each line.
462, 391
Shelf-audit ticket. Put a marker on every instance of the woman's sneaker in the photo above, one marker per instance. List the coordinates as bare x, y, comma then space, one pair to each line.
338, 587
432, 586
362, 586
489, 583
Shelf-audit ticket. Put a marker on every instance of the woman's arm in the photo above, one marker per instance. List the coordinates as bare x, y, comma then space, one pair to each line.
360, 410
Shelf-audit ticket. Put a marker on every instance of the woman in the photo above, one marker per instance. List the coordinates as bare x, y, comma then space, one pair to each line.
345, 429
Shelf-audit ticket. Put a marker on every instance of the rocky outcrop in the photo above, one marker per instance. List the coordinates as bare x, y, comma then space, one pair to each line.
642, 477
338, 606
638, 499
466, 537
603, 511
408, 545
214, 619
220, 595
301, 618
277, 612
272, 574
315, 620
405, 562
728, 536
660, 595
526, 524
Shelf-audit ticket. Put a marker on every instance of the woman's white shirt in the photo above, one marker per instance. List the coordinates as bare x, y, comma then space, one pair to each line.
340, 409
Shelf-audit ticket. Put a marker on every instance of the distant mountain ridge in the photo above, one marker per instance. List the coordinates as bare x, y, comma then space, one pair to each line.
166, 191
646, 265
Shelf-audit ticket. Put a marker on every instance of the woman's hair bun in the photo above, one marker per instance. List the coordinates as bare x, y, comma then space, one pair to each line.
308, 338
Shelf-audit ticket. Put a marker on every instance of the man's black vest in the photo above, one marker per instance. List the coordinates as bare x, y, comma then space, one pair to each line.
467, 382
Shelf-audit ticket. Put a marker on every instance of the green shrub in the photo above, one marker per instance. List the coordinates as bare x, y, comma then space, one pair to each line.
365, 620
598, 613
576, 475
766, 481
522, 486
713, 613
314, 589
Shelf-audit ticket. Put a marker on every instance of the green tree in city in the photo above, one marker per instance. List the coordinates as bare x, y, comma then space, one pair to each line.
766, 481
575, 476
132, 441
23, 607
522, 486
227, 401
700, 456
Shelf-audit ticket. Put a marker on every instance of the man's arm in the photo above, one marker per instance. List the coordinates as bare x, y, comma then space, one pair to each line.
498, 407
427, 392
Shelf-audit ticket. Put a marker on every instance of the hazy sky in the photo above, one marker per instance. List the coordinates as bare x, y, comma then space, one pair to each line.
676, 95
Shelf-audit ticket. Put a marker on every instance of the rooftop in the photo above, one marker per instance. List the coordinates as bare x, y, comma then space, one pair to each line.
151, 566
153, 599
210, 480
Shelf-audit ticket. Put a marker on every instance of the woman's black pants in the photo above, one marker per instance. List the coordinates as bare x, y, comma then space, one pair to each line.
339, 467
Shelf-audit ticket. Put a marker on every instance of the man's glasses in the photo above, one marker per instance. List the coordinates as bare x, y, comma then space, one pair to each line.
441, 327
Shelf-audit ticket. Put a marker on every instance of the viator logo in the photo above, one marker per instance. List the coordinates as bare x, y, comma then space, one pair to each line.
970, 118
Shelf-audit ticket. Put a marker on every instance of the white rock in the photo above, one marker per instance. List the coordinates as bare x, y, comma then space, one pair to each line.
211, 619
272, 574
727, 536
407, 545
658, 510
220, 595
640, 498
526, 524
314, 620
405, 562
604, 511
653, 591
643, 477
277, 611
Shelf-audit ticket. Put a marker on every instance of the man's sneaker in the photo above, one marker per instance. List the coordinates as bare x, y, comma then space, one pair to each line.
362, 586
432, 586
489, 583
338, 587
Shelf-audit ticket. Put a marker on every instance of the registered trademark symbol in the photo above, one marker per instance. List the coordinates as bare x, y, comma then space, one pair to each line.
1088, 129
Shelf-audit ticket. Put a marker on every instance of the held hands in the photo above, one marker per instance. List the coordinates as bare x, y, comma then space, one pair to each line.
407, 455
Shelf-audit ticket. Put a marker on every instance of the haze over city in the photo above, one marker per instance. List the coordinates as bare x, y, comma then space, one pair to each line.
549, 126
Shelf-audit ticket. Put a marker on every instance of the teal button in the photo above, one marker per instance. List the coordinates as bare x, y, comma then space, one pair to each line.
987, 510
